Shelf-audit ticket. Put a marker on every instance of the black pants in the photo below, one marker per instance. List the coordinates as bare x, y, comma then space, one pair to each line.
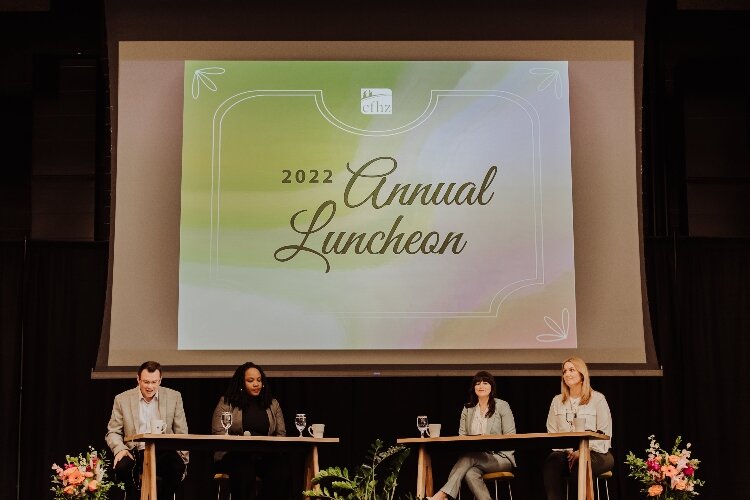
244, 468
557, 473
169, 470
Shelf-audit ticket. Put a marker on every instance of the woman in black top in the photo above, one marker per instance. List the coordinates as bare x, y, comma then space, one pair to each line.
254, 412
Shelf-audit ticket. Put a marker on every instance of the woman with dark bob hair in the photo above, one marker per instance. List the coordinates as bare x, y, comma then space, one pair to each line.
483, 414
254, 412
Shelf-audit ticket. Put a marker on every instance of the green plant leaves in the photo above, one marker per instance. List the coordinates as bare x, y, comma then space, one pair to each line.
375, 479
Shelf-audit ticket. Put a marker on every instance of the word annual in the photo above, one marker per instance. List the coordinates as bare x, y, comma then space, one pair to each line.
367, 188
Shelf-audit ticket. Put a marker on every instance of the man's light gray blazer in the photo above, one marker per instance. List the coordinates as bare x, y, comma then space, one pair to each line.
124, 419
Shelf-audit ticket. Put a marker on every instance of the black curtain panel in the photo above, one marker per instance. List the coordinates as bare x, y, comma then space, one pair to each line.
61, 410
709, 355
11, 297
699, 294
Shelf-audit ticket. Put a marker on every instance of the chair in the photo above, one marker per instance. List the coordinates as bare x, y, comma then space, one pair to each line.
222, 485
222, 479
604, 476
497, 477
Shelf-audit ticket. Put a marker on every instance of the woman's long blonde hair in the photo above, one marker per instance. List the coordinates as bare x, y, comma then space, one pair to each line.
581, 367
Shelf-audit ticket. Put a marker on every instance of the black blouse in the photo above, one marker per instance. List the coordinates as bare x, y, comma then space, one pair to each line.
255, 418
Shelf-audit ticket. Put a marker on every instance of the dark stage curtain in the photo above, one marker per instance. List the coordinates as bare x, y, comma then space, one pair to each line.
699, 292
700, 288
11, 279
61, 410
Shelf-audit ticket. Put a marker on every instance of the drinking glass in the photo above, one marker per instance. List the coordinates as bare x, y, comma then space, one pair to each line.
569, 416
422, 424
300, 422
226, 421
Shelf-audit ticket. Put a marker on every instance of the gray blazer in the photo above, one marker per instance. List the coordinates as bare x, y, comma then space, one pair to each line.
124, 419
501, 422
276, 425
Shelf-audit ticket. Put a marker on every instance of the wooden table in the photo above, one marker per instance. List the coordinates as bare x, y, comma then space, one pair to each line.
223, 443
580, 440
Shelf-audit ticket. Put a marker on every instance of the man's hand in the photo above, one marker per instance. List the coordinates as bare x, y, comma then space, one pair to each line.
119, 456
572, 459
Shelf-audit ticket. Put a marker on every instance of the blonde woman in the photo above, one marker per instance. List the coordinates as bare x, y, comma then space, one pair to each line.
576, 400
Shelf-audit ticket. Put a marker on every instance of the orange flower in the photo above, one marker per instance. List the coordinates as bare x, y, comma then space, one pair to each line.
669, 470
69, 490
655, 490
74, 476
679, 485
93, 485
88, 474
673, 459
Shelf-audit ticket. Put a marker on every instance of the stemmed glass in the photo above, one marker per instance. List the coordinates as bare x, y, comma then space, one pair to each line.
569, 416
226, 421
422, 424
300, 422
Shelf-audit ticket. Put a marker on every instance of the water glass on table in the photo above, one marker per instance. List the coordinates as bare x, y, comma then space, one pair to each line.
226, 421
300, 422
422, 424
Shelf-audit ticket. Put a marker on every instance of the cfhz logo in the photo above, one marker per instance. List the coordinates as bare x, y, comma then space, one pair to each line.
376, 102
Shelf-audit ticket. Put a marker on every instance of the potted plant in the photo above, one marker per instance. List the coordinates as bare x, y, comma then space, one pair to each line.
375, 479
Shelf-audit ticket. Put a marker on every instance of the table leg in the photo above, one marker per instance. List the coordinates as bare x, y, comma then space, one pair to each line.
429, 486
148, 478
311, 467
421, 471
585, 478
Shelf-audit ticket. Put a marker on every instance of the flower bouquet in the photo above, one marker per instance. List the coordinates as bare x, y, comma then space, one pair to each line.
666, 475
82, 476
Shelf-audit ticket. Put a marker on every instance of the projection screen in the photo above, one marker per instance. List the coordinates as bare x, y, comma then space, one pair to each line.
376, 207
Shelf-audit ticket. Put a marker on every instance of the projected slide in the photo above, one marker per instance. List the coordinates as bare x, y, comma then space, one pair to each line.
346, 205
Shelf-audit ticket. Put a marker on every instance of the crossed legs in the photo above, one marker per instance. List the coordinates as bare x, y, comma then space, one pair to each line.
470, 468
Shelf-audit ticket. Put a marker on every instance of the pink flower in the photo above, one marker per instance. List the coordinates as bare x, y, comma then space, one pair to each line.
88, 474
689, 470
93, 485
655, 490
653, 465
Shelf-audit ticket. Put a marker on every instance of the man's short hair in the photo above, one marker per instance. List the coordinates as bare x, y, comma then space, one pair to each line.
151, 367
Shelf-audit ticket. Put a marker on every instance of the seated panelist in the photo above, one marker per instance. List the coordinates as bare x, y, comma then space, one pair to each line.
254, 412
483, 414
133, 413
576, 400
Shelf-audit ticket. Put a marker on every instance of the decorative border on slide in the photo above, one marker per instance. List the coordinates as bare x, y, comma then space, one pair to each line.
435, 96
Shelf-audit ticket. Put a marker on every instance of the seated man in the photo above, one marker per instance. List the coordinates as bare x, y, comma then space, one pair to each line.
132, 413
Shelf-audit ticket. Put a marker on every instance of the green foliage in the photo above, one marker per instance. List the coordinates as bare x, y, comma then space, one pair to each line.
375, 479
